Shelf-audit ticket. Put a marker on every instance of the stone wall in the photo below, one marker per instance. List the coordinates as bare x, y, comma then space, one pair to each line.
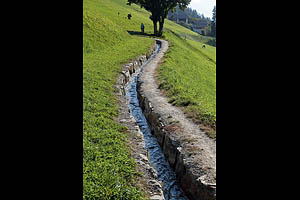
130, 68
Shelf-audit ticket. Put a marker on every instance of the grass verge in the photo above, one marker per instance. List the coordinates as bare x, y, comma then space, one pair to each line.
108, 169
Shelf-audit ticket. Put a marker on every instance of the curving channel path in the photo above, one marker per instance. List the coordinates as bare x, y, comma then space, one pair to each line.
166, 175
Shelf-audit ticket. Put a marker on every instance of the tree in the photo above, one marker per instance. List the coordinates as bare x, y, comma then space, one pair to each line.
214, 18
214, 22
159, 10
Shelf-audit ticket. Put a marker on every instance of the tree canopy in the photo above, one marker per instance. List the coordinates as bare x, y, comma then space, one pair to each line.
159, 10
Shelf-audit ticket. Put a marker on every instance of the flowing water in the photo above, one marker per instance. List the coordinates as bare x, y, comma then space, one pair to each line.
165, 173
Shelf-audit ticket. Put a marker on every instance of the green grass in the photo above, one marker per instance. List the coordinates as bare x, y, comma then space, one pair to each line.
108, 170
188, 75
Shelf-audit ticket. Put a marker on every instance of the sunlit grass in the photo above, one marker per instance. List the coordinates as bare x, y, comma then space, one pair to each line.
188, 75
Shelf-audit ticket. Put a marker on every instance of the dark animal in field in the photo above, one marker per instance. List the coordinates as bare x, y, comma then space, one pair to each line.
129, 16
203, 46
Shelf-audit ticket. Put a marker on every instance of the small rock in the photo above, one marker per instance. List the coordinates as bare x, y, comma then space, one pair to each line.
140, 136
157, 197
157, 189
152, 172
155, 183
144, 158
123, 120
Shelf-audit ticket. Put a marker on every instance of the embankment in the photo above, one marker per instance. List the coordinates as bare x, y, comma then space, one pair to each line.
189, 152
192, 159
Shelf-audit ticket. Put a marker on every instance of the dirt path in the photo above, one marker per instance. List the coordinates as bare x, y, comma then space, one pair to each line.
201, 149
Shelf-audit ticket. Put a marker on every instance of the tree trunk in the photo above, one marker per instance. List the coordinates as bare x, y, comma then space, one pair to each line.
161, 26
155, 27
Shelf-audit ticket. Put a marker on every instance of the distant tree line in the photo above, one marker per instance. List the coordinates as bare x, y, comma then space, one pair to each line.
194, 17
191, 13
213, 24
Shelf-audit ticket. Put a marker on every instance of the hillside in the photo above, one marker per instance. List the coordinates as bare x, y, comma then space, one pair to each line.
189, 74
110, 40
106, 46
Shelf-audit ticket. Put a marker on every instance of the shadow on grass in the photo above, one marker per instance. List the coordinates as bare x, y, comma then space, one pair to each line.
140, 33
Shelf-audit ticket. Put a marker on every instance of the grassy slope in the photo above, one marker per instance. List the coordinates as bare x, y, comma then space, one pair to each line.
108, 171
188, 74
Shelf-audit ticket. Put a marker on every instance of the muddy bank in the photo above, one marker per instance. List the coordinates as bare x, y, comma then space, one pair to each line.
189, 151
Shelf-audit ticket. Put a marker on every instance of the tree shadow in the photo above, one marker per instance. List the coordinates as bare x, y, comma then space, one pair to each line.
140, 33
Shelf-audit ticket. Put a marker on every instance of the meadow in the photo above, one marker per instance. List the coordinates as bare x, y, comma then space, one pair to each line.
188, 75
108, 170
109, 41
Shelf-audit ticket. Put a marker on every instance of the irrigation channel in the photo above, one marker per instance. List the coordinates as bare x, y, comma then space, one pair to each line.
166, 175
